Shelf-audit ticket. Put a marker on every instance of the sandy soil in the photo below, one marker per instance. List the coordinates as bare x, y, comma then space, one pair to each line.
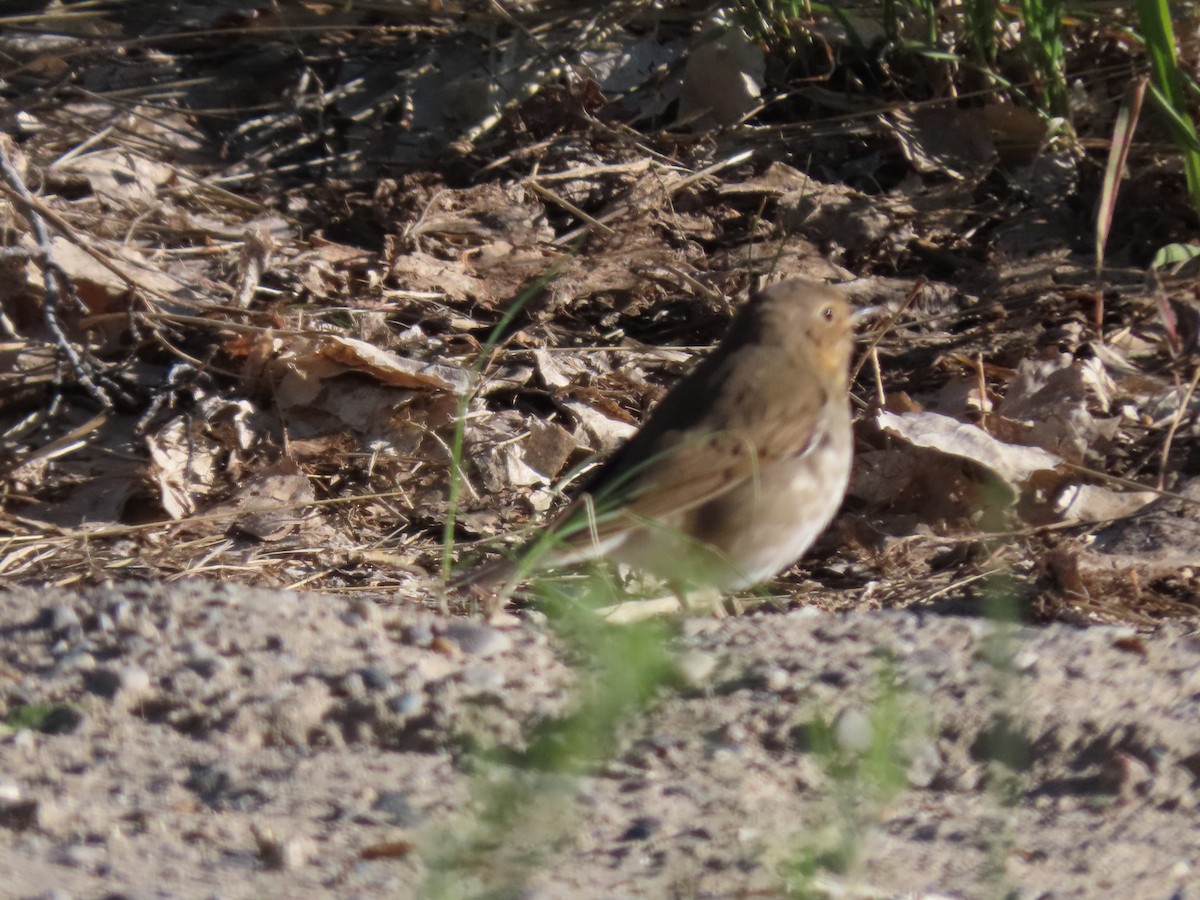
202, 740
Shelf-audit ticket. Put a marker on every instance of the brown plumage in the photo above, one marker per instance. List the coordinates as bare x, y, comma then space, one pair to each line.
739, 468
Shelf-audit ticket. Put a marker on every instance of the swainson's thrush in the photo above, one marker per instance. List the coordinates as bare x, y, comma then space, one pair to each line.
739, 468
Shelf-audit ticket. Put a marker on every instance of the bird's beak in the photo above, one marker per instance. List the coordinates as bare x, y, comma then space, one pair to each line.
866, 314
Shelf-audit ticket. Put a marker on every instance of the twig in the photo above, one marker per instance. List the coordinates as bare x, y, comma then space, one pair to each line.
36, 207
1174, 426
887, 326
566, 204
880, 393
981, 379
669, 189
256, 257
56, 284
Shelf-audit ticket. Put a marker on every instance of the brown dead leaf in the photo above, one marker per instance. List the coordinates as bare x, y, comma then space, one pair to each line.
722, 81
298, 368
604, 432
92, 279
549, 370
271, 506
1017, 132
511, 450
100, 501
420, 271
944, 140
123, 177
1093, 503
188, 452
388, 368
1053, 398
183, 464
1012, 464
842, 215
931, 486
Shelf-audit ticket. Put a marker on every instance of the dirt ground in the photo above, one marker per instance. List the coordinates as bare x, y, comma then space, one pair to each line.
305, 305
218, 741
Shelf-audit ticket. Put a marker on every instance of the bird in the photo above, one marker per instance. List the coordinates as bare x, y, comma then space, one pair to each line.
734, 473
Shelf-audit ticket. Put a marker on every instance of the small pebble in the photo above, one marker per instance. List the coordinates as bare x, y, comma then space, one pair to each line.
287, 855
295, 853
63, 618
366, 613
122, 613
535, 617
419, 634
133, 683
852, 730
695, 667
642, 828
695, 627
209, 783
84, 856
353, 687
375, 679
407, 704
50, 816
146, 629
919, 682
776, 679
211, 667
924, 767
76, 661
25, 743
482, 677
1025, 662
477, 640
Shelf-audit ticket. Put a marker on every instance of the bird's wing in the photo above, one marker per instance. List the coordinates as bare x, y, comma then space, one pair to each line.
689, 472
683, 457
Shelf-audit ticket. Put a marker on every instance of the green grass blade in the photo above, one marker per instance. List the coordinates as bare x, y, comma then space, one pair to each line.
1169, 81
464, 401
1042, 38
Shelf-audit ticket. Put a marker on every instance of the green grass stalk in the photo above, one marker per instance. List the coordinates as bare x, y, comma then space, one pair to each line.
1168, 88
464, 402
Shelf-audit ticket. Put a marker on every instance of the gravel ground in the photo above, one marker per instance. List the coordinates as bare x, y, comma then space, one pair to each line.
207, 740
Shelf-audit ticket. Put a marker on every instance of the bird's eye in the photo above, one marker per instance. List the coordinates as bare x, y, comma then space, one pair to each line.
827, 314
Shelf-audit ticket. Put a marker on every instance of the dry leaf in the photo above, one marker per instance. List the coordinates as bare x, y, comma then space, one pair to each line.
722, 81
122, 176
943, 140
299, 367
1013, 464
604, 433
183, 463
1053, 398
510, 450
1093, 503
188, 452
273, 502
